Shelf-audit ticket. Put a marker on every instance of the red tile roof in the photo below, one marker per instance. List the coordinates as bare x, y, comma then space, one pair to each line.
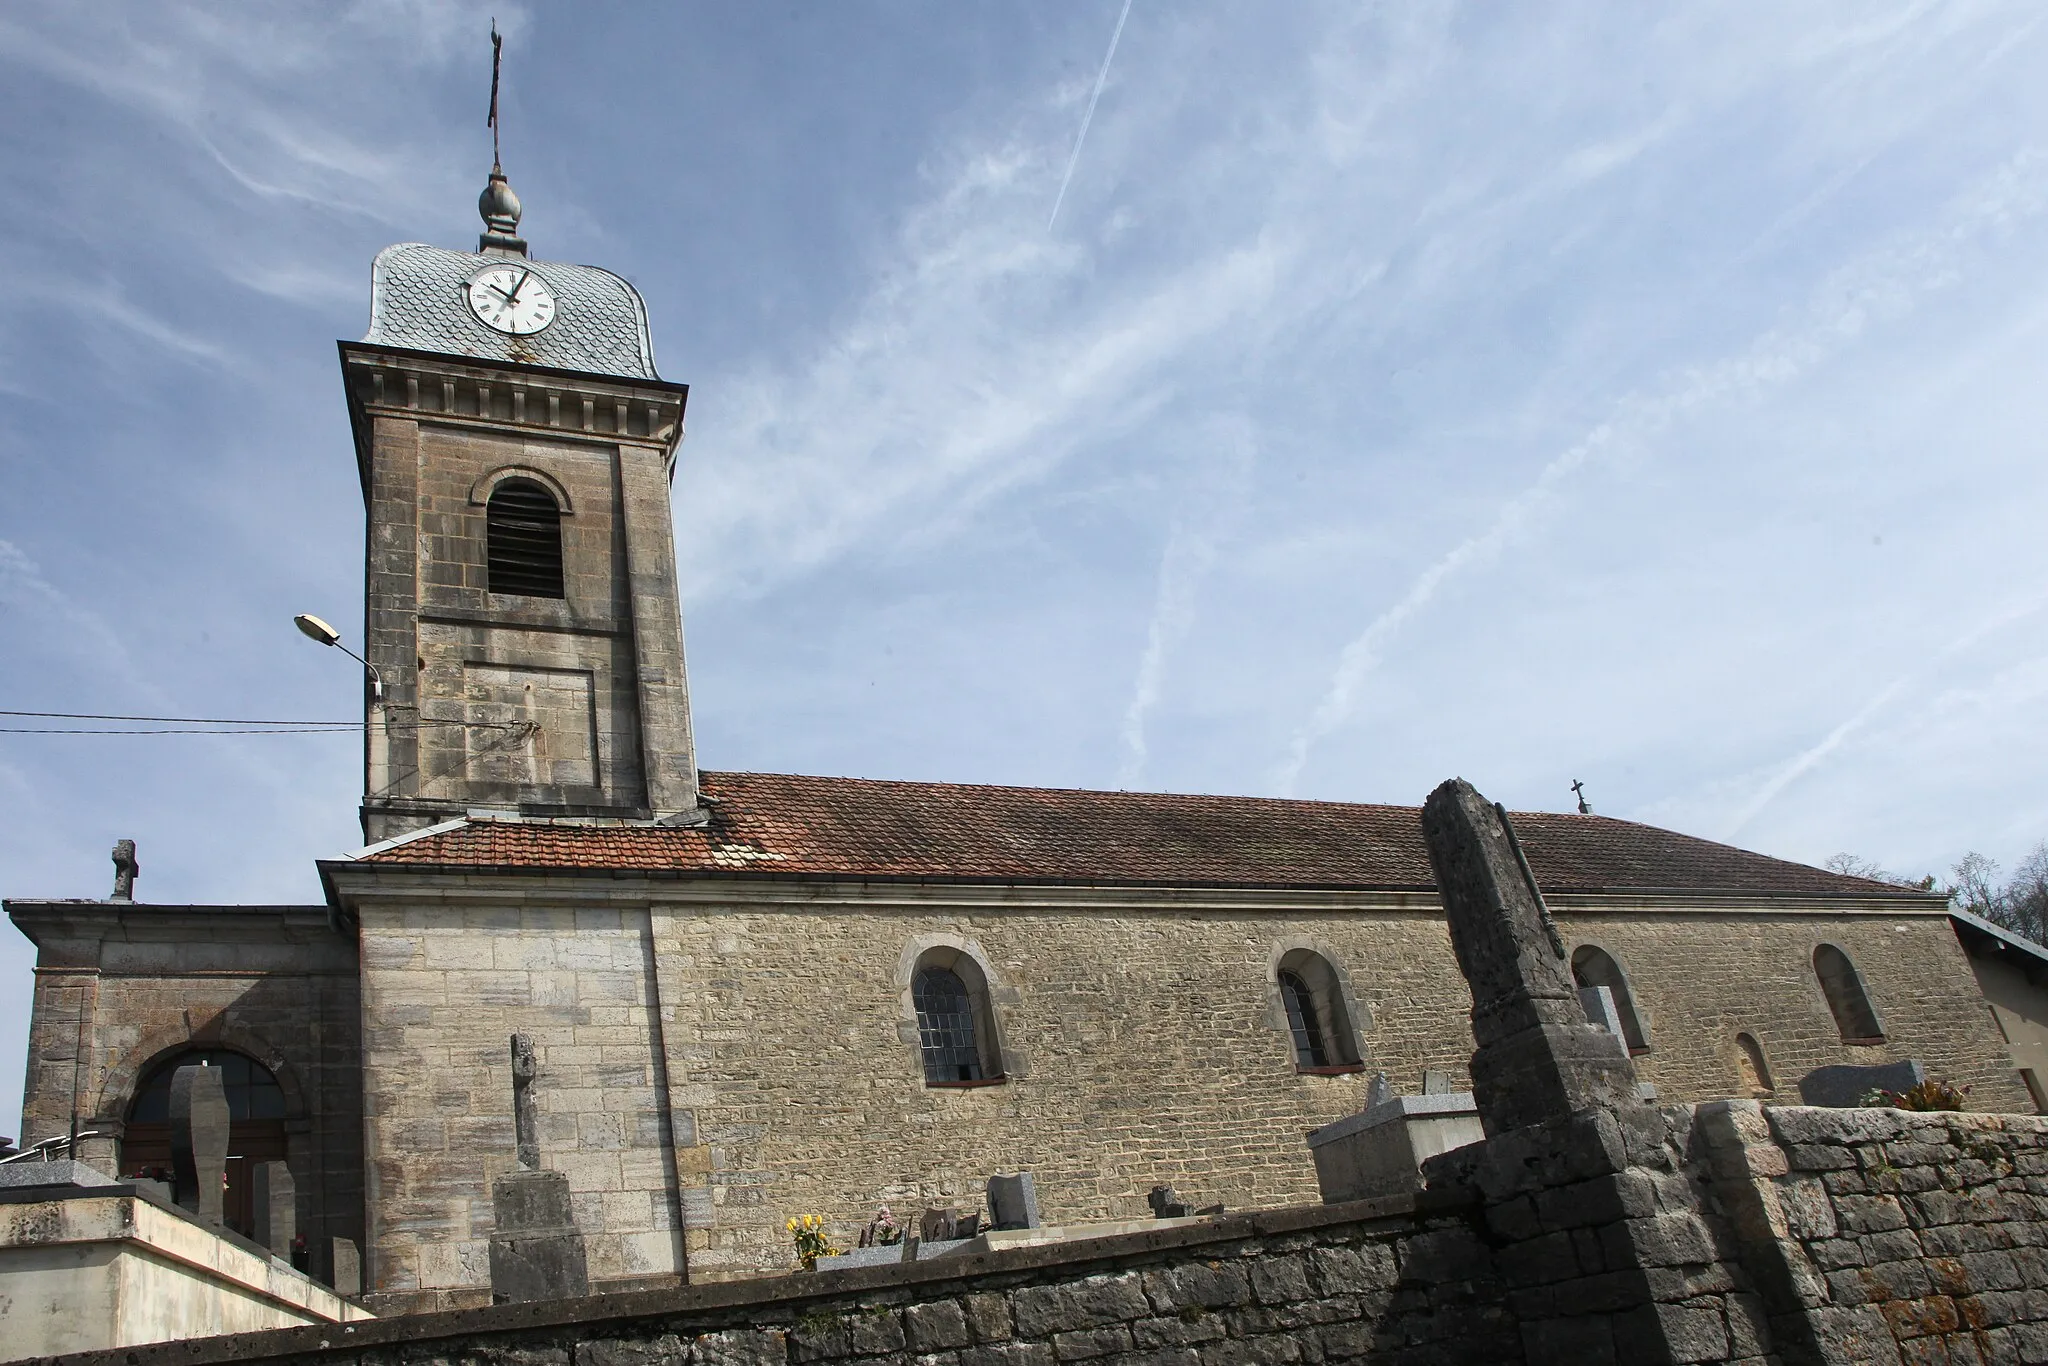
782, 824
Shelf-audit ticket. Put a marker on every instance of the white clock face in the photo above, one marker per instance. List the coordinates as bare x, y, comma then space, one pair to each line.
512, 299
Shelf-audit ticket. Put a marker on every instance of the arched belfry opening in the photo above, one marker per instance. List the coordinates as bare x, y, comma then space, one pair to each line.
256, 1125
524, 540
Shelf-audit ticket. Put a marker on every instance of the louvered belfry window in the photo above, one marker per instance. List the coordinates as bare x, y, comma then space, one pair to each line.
525, 540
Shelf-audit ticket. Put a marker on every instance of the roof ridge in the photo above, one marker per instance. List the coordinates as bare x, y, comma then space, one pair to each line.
1075, 791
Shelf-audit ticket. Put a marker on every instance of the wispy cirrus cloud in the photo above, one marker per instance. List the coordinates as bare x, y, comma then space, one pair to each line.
1213, 506
1882, 286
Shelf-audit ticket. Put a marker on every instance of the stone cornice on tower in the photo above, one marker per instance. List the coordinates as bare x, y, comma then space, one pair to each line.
424, 385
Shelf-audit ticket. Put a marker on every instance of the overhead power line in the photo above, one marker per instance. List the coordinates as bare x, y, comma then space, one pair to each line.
219, 725
193, 730
176, 720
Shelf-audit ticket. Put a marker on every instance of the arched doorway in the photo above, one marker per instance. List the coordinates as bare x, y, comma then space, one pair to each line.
255, 1126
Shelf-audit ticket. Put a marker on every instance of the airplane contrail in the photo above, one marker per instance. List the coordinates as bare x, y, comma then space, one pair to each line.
1101, 77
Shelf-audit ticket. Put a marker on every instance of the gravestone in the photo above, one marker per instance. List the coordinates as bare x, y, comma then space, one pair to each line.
537, 1253
1598, 1003
348, 1268
275, 1200
199, 1139
938, 1225
1844, 1087
1012, 1201
1378, 1091
1165, 1204
1380, 1150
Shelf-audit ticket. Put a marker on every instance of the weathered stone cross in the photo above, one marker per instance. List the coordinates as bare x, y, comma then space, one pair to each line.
126, 867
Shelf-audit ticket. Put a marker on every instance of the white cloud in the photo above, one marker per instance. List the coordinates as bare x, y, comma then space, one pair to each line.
1880, 287
1213, 507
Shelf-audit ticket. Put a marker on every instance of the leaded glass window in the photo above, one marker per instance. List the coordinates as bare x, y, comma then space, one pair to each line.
945, 1027
1310, 1049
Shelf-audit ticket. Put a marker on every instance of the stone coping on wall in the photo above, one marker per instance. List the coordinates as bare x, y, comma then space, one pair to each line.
1438, 1105
771, 1296
130, 1218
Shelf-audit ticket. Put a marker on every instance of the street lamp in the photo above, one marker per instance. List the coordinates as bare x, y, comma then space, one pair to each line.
315, 629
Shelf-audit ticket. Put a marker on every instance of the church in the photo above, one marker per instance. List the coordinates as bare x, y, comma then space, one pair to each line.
759, 996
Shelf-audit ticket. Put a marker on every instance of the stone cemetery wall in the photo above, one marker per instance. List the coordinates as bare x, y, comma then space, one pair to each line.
1332, 1283
1881, 1235
1797, 1236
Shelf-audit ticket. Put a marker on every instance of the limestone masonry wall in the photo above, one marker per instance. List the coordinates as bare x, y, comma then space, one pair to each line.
1700, 979
443, 991
1143, 1045
121, 987
1145, 1041
768, 1025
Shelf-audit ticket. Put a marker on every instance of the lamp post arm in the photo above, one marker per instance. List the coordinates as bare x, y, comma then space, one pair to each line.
376, 678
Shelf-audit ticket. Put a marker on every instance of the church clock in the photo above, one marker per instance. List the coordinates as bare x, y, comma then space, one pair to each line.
511, 299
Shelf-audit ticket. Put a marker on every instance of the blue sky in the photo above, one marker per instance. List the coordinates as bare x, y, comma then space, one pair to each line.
1648, 396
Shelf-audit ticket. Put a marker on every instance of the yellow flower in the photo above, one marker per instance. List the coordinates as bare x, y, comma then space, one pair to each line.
791, 1226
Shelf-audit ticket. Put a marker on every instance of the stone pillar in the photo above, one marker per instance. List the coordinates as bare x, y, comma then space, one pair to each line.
1599, 1237
536, 1251
668, 754
1537, 1058
199, 1139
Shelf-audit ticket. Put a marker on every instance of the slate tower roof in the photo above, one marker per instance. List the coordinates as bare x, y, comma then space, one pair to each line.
416, 302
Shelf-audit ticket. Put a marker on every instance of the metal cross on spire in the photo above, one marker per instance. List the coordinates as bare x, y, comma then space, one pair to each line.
497, 58
1579, 791
498, 206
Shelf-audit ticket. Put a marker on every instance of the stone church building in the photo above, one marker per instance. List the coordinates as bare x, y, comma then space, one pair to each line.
758, 995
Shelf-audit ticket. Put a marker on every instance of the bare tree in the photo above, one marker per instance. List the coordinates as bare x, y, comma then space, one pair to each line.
2019, 903
1848, 865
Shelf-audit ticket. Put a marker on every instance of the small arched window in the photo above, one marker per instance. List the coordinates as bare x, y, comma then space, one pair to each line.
1317, 1021
1850, 1003
1595, 967
1755, 1071
955, 1027
524, 540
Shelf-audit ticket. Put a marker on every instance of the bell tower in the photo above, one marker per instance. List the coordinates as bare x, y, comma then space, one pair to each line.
516, 448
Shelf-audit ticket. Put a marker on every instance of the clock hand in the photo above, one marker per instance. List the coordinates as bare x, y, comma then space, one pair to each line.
513, 297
